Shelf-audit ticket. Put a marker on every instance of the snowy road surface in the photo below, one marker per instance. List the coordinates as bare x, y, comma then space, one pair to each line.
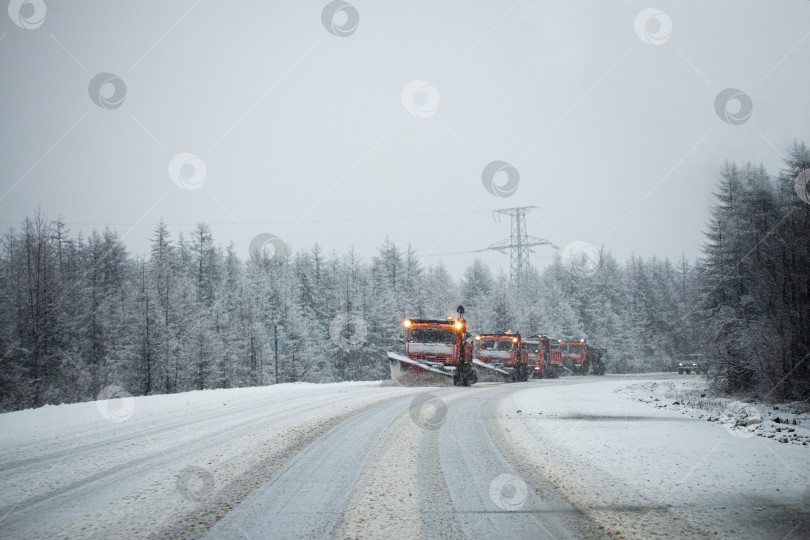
567, 458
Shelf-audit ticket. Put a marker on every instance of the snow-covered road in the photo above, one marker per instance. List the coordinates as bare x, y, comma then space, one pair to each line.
567, 458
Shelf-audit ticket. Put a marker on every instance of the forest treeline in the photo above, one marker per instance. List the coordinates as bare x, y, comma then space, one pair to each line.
78, 314
754, 281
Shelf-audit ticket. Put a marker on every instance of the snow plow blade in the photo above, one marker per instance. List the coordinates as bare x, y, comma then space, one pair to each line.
479, 363
411, 362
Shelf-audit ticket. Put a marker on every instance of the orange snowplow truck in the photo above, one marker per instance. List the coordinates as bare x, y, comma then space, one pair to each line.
552, 355
535, 361
581, 358
503, 354
437, 347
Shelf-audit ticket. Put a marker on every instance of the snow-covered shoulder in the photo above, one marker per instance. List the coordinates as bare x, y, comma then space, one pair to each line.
642, 471
122, 408
787, 423
138, 466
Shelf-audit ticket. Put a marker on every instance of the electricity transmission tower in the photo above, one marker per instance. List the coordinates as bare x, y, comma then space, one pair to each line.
519, 242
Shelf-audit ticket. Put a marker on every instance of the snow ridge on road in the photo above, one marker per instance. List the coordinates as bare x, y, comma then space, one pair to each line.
307, 497
489, 492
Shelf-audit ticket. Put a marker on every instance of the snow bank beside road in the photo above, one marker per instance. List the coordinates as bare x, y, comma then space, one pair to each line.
786, 423
177, 464
72, 419
642, 472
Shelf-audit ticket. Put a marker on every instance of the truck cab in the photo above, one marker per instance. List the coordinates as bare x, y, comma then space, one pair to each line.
582, 358
503, 351
535, 359
440, 344
574, 356
552, 355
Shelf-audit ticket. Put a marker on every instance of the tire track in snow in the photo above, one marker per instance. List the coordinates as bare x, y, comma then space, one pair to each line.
471, 460
307, 498
386, 502
196, 524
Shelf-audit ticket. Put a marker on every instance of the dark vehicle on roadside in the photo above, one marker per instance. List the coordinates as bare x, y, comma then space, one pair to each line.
688, 367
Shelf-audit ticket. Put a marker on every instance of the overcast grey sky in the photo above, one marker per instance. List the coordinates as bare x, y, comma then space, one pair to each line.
610, 122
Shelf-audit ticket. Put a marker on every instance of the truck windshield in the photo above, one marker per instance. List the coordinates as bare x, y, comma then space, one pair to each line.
531, 347
495, 345
574, 349
431, 335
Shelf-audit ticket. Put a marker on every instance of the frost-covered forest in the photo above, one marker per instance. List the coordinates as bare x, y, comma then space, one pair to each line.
79, 313
754, 282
